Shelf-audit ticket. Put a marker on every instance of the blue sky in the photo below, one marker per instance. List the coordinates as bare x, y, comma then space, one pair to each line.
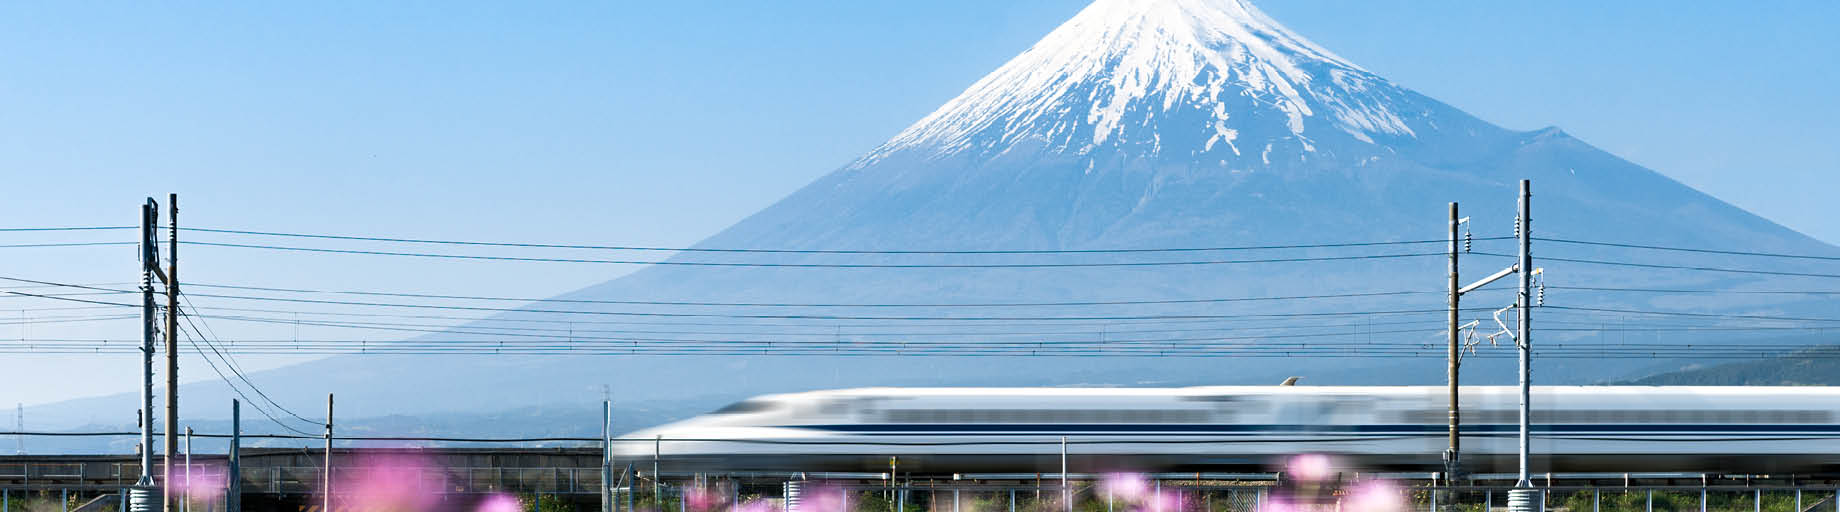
662, 122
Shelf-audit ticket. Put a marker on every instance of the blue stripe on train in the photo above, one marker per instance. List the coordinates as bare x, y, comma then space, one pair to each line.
1179, 429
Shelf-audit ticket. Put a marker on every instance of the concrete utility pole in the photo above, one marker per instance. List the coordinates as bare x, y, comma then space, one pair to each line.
233, 493
1066, 490
1522, 497
326, 483
150, 268
1524, 341
606, 455
1452, 455
185, 500
172, 347
657, 479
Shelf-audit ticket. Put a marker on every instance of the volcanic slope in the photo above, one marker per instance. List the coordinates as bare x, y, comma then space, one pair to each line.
1139, 124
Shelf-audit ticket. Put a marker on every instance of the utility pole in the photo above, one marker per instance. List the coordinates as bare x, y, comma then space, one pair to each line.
1521, 498
233, 494
326, 483
606, 455
150, 268
185, 501
657, 453
172, 346
1452, 455
1066, 490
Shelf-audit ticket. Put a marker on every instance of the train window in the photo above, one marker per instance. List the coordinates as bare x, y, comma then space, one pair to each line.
745, 406
1701, 416
1046, 416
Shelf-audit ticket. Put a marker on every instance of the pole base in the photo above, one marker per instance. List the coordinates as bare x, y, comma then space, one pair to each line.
1524, 500
144, 498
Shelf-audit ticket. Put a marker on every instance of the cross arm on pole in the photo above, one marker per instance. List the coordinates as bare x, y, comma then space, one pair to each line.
1492, 278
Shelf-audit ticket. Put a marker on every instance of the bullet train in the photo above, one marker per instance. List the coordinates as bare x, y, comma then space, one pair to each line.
947, 430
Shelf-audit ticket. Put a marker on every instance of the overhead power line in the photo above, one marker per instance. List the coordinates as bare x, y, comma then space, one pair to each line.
75, 228
826, 305
233, 387
825, 316
63, 244
1690, 249
230, 361
1671, 267
820, 265
1684, 290
812, 251
1692, 314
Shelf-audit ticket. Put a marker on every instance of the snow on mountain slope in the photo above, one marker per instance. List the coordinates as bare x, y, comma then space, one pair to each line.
1138, 123
1126, 72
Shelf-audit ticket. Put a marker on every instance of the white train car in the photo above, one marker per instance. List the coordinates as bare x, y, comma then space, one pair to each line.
1575, 428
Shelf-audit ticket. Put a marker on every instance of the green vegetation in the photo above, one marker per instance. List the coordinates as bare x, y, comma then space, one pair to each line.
545, 503
1686, 501
48, 501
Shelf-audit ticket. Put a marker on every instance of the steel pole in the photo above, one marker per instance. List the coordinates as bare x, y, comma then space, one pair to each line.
606, 455
1525, 498
150, 261
326, 485
172, 347
185, 500
1524, 338
233, 494
1066, 491
657, 479
1452, 455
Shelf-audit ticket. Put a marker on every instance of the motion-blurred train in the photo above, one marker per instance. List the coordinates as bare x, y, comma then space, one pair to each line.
1574, 428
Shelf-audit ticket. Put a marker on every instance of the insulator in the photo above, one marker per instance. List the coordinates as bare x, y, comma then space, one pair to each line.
1517, 227
1540, 297
1468, 240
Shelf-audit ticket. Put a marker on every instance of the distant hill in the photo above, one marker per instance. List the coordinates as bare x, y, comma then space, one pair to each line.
1818, 367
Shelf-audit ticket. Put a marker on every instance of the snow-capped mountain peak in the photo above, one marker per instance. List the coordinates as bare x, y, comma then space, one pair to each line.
1175, 78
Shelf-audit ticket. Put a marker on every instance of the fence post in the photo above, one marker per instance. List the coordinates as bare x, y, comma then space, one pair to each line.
1012, 500
1650, 507
1757, 500
1597, 500
1702, 498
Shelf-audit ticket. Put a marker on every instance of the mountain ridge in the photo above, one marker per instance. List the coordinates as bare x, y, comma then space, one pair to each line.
1065, 167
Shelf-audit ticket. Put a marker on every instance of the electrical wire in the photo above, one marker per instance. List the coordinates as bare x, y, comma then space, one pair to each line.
233, 386
65, 244
825, 305
823, 265
812, 251
79, 228
1669, 267
231, 362
1681, 290
1689, 249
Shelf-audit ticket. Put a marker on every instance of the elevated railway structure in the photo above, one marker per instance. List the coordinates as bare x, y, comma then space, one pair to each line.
289, 479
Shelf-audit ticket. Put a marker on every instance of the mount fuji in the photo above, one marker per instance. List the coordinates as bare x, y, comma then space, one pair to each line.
1135, 124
